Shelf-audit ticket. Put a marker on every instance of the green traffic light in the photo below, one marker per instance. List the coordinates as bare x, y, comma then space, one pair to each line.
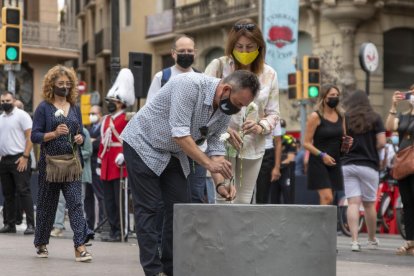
11, 53
313, 92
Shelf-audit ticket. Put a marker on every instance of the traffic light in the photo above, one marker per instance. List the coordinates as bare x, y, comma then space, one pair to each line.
311, 77
295, 85
11, 35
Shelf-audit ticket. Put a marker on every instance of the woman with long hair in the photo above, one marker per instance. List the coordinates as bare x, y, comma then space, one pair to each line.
360, 166
404, 124
57, 127
323, 137
249, 127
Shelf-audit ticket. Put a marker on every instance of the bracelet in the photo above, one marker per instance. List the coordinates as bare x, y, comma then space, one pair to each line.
322, 154
218, 186
25, 156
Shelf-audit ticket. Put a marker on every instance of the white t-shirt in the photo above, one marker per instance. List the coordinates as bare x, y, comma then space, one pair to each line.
156, 82
12, 128
277, 131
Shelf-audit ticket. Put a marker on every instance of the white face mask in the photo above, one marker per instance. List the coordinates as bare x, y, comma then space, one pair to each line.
93, 118
412, 100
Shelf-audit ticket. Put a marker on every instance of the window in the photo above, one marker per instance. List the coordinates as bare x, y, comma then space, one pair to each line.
127, 12
399, 58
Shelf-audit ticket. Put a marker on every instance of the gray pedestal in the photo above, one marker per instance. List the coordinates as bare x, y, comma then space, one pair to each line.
252, 240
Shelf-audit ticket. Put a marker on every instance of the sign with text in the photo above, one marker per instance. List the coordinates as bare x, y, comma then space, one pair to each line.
280, 31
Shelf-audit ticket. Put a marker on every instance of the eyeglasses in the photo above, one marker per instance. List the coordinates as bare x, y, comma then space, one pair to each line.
61, 84
184, 51
249, 27
203, 132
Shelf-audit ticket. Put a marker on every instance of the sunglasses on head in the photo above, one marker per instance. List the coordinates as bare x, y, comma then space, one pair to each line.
203, 132
249, 27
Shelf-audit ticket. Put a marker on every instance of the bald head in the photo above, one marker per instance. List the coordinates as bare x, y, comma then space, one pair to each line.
19, 104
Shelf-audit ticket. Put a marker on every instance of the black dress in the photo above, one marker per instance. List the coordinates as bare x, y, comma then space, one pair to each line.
327, 138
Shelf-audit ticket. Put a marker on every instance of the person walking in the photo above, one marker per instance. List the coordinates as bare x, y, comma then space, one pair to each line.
189, 109
96, 188
360, 166
15, 167
57, 127
404, 124
323, 137
245, 50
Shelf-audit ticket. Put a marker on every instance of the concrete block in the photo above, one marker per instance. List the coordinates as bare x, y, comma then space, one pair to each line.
237, 239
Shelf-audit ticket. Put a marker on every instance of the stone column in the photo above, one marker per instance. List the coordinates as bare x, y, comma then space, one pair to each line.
347, 15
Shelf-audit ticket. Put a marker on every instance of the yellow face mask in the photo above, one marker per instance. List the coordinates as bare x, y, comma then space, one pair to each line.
245, 58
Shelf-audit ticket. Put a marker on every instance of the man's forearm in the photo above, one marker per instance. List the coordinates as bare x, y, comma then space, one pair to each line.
190, 148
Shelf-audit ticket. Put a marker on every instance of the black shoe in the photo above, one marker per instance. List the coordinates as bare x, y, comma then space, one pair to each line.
111, 239
8, 229
29, 230
19, 222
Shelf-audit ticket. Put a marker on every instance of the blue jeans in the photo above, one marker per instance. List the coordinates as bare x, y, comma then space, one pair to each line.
197, 182
60, 213
211, 190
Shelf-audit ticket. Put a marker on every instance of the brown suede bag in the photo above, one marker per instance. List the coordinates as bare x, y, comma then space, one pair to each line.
403, 163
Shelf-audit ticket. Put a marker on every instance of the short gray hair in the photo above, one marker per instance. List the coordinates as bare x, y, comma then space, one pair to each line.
242, 79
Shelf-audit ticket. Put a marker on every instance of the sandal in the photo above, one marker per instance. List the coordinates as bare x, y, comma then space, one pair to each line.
407, 249
42, 251
81, 255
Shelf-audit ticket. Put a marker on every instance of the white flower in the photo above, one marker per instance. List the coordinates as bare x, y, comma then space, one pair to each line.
224, 137
59, 112
251, 107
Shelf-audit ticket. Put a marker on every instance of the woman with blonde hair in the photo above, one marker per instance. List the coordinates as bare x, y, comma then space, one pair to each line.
323, 138
57, 127
249, 127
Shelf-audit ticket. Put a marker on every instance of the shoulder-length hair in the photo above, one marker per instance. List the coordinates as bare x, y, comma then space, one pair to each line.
320, 104
50, 79
255, 35
361, 117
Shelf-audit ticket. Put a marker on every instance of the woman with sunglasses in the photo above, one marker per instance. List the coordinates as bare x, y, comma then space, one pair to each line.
249, 127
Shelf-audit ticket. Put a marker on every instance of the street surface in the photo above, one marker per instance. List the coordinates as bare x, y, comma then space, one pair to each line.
18, 258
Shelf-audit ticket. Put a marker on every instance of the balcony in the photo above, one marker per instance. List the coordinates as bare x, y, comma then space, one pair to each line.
103, 42
51, 36
208, 13
80, 12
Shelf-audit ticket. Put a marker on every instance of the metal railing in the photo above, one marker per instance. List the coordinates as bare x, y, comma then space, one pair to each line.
103, 41
49, 35
212, 11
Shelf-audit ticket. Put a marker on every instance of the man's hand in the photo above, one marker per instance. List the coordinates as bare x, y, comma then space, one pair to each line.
275, 174
227, 191
120, 160
21, 164
221, 166
235, 138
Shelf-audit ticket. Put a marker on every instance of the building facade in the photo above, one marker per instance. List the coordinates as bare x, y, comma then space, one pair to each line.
47, 40
331, 29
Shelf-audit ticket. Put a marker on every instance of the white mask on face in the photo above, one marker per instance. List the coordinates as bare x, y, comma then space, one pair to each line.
93, 118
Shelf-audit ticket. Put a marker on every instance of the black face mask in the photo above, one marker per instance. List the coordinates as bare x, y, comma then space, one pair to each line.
333, 102
227, 107
60, 91
111, 107
185, 60
7, 106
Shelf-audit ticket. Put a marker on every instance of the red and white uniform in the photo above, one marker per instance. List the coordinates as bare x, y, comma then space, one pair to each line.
111, 146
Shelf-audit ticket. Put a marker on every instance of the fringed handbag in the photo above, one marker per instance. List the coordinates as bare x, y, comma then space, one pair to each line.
63, 168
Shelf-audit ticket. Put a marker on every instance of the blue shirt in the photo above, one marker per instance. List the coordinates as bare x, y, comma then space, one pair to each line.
181, 107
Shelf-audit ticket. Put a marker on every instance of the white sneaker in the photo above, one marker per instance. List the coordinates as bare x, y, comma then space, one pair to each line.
373, 245
355, 246
56, 232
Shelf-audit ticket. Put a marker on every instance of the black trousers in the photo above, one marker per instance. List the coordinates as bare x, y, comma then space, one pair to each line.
111, 198
281, 191
91, 190
148, 190
263, 183
14, 182
406, 186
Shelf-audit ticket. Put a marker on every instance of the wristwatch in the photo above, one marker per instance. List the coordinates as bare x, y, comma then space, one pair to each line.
25, 156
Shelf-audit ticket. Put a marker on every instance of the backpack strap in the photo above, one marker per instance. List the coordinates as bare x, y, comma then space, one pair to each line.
166, 74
